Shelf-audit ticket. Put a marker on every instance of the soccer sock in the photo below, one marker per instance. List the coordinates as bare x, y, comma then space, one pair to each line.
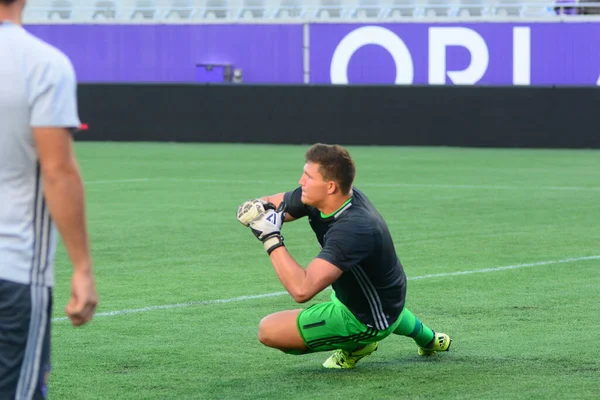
412, 327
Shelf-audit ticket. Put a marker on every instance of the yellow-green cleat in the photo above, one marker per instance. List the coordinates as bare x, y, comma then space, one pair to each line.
348, 359
440, 342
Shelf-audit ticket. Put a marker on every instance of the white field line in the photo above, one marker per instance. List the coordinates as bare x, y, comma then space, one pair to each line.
276, 294
382, 185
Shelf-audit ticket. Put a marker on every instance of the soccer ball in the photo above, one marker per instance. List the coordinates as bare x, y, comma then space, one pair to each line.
250, 210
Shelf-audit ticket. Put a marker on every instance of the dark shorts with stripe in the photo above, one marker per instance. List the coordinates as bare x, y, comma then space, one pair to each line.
25, 313
331, 325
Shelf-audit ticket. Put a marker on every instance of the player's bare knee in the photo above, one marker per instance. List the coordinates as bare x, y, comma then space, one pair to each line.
263, 333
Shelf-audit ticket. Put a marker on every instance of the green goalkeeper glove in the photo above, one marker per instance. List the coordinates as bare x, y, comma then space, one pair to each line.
267, 228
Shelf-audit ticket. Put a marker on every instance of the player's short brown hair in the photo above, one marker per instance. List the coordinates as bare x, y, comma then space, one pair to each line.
335, 164
7, 2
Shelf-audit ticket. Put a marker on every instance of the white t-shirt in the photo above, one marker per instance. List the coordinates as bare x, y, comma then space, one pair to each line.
37, 89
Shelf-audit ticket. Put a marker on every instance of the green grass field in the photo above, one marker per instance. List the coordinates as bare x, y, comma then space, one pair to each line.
173, 267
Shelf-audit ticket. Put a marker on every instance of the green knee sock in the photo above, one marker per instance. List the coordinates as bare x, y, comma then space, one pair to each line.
411, 326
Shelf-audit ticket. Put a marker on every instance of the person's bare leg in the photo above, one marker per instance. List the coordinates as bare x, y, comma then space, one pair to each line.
280, 331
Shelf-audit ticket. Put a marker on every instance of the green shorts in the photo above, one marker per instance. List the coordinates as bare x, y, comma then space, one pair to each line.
331, 325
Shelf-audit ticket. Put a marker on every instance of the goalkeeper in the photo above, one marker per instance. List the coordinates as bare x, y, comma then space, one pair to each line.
357, 259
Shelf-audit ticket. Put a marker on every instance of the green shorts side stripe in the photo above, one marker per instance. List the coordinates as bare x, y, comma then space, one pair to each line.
340, 339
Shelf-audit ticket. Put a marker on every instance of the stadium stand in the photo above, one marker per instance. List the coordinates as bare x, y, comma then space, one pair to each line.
165, 11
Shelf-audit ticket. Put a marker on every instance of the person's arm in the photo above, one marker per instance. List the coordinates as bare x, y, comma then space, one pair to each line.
64, 194
347, 245
52, 96
303, 284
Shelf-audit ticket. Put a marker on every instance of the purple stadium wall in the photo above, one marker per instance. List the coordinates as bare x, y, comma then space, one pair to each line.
419, 53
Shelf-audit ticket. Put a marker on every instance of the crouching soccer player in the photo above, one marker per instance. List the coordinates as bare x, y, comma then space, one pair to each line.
357, 259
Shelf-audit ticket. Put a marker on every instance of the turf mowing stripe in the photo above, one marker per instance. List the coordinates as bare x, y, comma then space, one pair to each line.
117, 181
383, 185
276, 294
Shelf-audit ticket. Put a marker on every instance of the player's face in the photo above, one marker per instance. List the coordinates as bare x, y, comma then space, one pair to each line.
314, 188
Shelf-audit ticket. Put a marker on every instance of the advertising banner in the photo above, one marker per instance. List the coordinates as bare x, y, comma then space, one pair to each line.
459, 54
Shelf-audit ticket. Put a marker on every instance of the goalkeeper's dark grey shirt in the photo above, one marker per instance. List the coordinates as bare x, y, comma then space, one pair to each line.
37, 89
357, 240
